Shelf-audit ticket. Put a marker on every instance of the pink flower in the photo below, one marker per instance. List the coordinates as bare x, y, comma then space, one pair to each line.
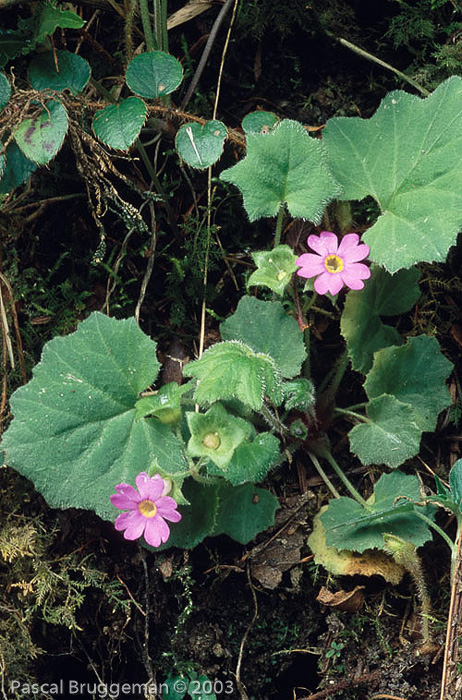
147, 509
335, 265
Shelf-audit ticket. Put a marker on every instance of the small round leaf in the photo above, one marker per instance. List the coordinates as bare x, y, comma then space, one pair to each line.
60, 70
259, 122
201, 145
154, 74
119, 125
5, 90
41, 138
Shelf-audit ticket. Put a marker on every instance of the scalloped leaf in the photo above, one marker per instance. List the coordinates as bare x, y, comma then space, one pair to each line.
274, 268
415, 374
74, 432
232, 370
198, 518
266, 328
41, 138
383, 295
285, 167
153, 74
59, 70
407, 156
119, 125
244, 511
351, 526
5, 91
390, 436
201, 145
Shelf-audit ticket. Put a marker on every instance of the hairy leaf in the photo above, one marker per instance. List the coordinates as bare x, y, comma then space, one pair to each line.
390, 436
408, 157
415, 374
275, 268
74, 432
266, 328
233, 370
244, 511
284, 167
383, 295
351, 526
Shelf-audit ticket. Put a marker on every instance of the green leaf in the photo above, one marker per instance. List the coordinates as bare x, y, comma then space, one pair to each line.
455, 482
197, 519
72, 72
350, 526
74, 432
233, 370
153, 74
163, 405
119, 125
284, 167
266, 328
201, 145
259, 122
275, 268
390, 436
244, 511
251, 461
5, 91
198, 689
299, 394
17, 168
383, 295
12, 44
49, 19
407, 156
415, 374
216, 434
41, 138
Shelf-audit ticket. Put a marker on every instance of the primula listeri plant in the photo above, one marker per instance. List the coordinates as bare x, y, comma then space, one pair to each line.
96, 418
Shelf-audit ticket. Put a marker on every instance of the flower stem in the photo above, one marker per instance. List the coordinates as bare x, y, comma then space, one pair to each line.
323, 451
151, 43
323, 475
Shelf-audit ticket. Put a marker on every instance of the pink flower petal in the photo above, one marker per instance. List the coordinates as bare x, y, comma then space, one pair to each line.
168, 512
350, 250
157, 531
132, 522
354, 274
328, 282
324, 244
311, 265
149, 487
126, 497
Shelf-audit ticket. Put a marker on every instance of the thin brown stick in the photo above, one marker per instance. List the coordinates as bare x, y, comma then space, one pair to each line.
449, 674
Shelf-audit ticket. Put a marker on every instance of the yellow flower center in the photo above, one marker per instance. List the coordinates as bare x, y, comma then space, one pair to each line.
147, 508
212, 441
333, 263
